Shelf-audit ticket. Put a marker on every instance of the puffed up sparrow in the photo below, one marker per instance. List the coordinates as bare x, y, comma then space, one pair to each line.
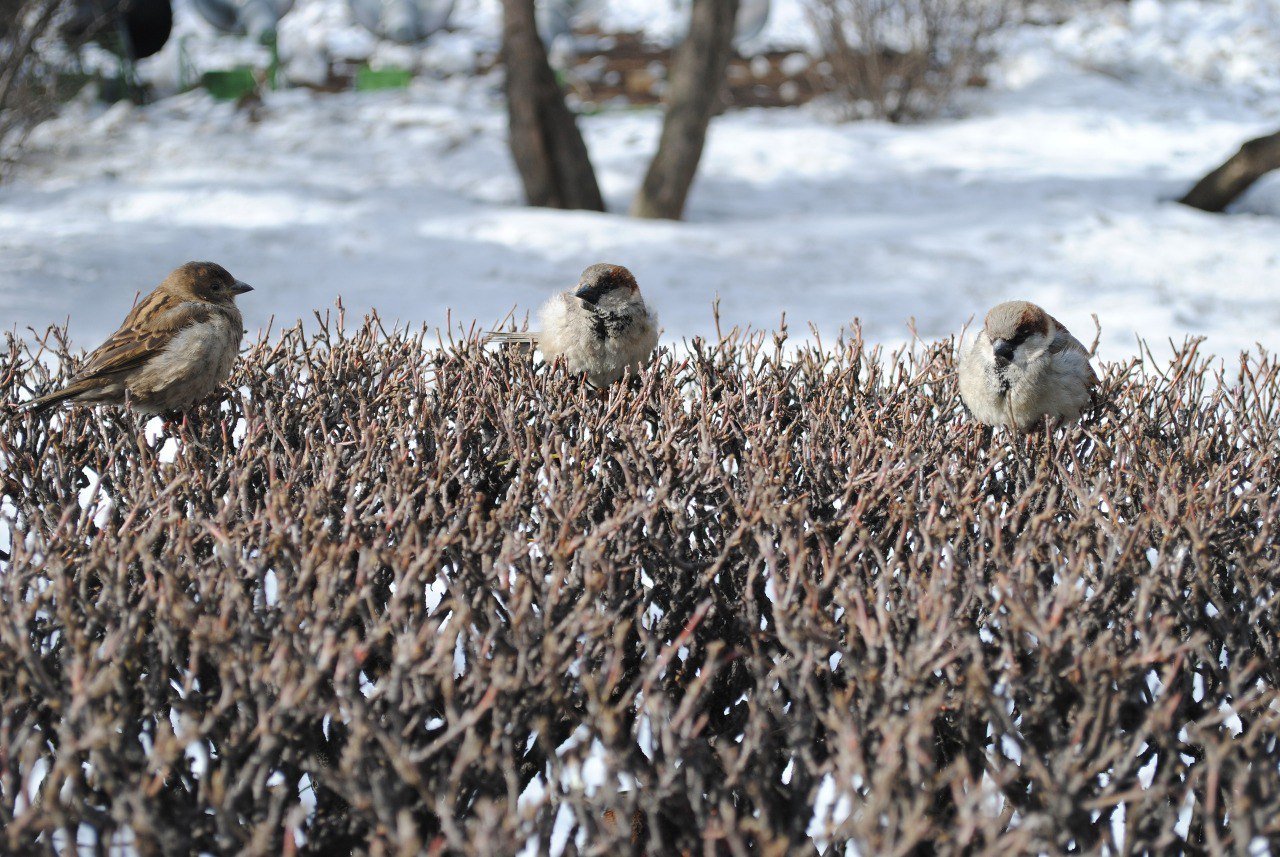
602, 328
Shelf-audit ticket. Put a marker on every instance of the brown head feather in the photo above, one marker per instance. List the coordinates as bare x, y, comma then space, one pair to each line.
1017, 320
602, 279
608, 277
201, 281
190, 294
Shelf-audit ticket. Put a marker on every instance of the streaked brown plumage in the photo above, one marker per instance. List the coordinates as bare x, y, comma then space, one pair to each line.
173, 349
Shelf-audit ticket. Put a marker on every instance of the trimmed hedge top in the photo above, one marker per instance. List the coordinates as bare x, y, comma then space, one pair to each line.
393, 595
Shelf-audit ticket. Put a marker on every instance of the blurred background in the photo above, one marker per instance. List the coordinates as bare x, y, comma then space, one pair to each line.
907, 163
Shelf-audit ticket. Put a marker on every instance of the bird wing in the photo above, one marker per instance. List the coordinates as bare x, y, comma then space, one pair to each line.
146, 331
1064, 341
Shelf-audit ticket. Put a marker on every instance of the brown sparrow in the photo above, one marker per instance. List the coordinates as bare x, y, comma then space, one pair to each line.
173, 349
1023, 366
601, 329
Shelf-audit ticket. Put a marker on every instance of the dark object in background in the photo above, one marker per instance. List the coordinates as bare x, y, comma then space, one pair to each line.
404, 21
133, 29
1224, 185
255, 18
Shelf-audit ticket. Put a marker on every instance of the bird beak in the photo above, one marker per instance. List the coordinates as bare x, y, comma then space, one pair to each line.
241, 287
1003, 349
589, 292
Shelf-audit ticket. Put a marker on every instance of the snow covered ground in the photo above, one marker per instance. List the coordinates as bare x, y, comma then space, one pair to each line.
1054, 186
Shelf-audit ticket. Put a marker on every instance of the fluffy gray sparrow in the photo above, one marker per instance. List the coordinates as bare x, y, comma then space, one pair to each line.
173, 349
601, 329
1023, 366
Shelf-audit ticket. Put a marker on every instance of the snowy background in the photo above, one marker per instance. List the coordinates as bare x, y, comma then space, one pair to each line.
1054, 184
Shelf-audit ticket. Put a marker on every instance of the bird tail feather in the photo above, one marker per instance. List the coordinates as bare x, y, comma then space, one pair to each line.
52, 400
511, 337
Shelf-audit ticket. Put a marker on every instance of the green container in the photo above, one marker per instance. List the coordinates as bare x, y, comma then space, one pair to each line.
69, 83
230, 85
371, 79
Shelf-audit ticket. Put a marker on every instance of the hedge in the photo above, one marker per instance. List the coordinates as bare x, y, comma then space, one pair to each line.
398, 595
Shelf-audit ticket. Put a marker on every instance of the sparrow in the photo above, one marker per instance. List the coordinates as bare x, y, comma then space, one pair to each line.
1023, 366
602, 328
174, 348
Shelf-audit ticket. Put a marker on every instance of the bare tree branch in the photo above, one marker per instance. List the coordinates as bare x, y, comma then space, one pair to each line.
1224, 185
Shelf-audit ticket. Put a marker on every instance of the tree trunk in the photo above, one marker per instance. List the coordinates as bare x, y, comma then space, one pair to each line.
697, 75
544, 138
1221, 187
